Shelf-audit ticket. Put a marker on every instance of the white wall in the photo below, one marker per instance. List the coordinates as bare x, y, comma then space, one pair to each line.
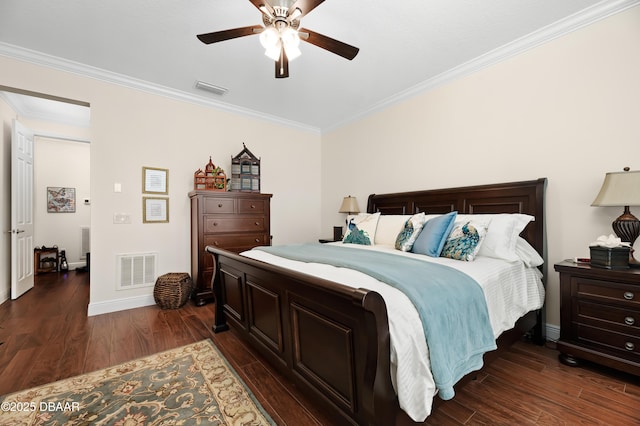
131, 129
567, 110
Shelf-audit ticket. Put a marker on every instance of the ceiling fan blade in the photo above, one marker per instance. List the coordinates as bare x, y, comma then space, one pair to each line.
282, 65
305, 6
217, 36
332, 45
263, 6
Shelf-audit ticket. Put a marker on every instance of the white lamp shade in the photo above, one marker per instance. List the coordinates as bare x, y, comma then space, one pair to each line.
619, 189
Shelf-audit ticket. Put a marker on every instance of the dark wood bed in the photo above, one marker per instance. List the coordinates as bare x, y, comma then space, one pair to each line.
333, 340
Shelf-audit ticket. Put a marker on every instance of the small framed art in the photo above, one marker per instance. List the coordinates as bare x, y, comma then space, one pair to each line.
61, 200
155, 181
155, 210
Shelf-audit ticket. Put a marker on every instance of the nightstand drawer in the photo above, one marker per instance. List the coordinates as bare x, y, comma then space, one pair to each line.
611, 317
606, 292
625, 345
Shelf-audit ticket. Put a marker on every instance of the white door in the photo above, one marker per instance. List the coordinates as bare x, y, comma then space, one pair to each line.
21, 209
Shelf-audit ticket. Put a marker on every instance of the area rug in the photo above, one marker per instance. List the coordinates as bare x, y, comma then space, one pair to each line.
190, 385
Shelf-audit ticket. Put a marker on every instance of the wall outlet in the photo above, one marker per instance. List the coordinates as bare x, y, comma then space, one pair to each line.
121, 218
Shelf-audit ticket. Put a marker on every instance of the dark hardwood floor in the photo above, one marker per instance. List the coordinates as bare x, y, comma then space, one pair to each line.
46, 336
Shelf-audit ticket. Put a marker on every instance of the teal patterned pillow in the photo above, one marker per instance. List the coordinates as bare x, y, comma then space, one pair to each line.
464, 241
361, 229
410, 232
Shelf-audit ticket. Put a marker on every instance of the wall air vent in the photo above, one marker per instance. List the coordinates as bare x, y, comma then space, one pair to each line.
136, 270
211, 88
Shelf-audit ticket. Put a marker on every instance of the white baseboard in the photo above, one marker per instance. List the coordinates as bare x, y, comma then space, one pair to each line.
553, 332
99, 308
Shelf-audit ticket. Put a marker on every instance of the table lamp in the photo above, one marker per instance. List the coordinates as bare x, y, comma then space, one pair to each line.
622, 189
349, 206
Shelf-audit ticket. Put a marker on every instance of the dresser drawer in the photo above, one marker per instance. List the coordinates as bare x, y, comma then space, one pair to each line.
218, 205
215, 224
611, 317
236, 241
610, 293
251, 206
623, 344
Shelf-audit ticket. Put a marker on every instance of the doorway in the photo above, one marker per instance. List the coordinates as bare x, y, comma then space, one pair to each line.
61, 172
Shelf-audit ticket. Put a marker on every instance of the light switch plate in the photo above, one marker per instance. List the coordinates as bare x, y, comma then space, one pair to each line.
121, 218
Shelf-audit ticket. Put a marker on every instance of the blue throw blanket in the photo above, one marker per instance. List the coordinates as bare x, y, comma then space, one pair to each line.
451, 304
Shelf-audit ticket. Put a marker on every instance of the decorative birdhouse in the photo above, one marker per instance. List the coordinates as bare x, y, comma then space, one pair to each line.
212, 179
245, 172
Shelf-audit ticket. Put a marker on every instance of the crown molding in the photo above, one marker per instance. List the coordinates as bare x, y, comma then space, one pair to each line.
574, 22
49, 61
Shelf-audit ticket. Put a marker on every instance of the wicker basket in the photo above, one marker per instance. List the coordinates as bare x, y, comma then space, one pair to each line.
172, 290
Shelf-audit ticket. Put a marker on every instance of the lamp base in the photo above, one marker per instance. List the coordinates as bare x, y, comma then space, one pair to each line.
627, 228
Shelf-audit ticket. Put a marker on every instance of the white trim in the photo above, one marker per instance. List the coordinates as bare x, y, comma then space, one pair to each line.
49, 135
114, 305
552, 332
84, 70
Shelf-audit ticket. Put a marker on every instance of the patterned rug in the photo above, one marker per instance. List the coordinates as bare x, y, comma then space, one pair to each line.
190, 385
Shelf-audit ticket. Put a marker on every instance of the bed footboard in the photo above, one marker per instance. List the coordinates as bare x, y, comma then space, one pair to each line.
331, 340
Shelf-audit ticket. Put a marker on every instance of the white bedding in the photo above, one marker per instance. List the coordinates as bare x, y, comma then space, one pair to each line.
511, 290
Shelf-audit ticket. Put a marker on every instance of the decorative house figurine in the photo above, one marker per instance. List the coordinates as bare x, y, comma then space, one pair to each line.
212, 179
245, 172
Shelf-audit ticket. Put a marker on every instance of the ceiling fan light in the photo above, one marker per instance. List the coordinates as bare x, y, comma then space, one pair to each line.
269, 37
292, 52
290, 37
273, 51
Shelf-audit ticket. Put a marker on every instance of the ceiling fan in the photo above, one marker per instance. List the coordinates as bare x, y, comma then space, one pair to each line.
281, 34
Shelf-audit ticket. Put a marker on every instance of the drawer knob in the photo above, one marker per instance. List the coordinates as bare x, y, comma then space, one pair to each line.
257, 240
628, 295
215, 223
253, 206
257, 223
629, 320
216, 243
220, 205
629, 346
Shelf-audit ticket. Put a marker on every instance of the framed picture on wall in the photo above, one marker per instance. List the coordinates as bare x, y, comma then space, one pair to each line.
155, 210
155, 181
61, 200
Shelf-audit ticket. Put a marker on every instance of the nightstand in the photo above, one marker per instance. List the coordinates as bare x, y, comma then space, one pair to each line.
599, 316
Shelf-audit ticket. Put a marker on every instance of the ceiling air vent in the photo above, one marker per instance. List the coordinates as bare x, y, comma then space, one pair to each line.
211, 88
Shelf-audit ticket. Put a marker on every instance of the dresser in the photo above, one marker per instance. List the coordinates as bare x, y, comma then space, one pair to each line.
235, 221
600, 316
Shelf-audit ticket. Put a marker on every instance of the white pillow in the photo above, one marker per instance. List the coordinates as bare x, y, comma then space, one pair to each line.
529, 256
389, 226
503, 234
366, 224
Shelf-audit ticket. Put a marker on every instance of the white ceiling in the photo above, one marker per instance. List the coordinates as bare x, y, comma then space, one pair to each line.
406, 47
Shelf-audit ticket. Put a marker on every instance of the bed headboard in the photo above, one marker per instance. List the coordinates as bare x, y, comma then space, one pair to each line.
514, 197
